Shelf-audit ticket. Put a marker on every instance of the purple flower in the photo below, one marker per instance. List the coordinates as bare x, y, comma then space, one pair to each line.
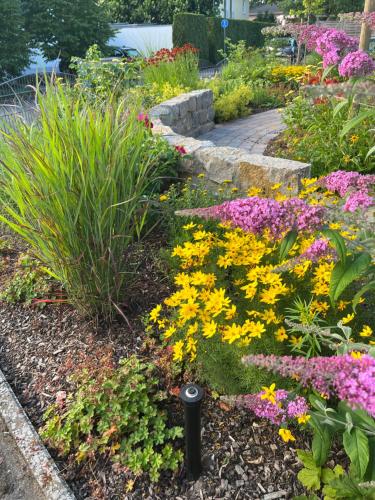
320, 248
357, 200
357, 63
342, 182
350, 379
257, 215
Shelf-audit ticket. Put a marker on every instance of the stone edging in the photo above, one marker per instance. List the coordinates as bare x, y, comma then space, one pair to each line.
219, 164
39, 462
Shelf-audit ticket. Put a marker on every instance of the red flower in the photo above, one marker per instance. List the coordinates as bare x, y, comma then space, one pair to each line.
145, 120
181, 150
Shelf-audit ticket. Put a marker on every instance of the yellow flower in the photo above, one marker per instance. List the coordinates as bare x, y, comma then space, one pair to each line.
224, 261
254, 191
286, 435
155, 313
201, 176
269, 393
188, 310
234, 190
269, 316
342, 305
303, 419
320, 307
191, 225
346, 159
231, 312
348, 318
366, 331
253, 329
335, 225
295, 340
178, 351
227, 181
231, 333
163, 197
169, 332
209, 329
182, 279
356, 354
276, 186
354, 138
281, 334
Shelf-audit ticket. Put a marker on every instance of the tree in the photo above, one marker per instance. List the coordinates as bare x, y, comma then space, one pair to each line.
66, 28
156, 11
328, 7
14, 48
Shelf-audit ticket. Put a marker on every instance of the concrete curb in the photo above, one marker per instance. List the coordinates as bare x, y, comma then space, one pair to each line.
41, 465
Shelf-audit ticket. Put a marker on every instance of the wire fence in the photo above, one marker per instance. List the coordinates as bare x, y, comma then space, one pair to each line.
17, 98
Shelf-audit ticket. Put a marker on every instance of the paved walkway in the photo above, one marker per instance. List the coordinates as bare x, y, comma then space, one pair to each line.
252, 133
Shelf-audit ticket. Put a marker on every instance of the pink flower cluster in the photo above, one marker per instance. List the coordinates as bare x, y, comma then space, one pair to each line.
333, 44
256, 215
361, 17
144, 118
342, 182
278, 413
357, 200
320, 248
357, 63
348, 378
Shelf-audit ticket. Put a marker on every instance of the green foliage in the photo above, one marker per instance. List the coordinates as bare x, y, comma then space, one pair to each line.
114, 411
66, 28
182, 71
156, 11
14, 50
233, 104
248, 31
191, 28
100, 79
311, 127
74, 187
219, 365
344, 273
31, 281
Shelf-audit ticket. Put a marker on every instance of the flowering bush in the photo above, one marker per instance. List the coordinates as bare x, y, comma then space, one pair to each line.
287, 73
237, 279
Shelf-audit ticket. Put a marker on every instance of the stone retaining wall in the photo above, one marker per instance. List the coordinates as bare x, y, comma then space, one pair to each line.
176, 120
189, 114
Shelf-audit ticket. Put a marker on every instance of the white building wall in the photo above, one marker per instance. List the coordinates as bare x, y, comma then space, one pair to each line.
237, 9
146, 38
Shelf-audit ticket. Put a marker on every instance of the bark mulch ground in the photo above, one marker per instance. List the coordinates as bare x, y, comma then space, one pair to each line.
243, 458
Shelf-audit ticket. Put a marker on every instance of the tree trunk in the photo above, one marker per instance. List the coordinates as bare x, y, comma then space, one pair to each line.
364, 40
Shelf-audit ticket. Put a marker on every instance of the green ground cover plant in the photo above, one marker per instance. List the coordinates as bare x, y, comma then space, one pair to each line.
114, 411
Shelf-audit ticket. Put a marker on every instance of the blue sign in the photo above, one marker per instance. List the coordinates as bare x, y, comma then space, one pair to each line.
224, 23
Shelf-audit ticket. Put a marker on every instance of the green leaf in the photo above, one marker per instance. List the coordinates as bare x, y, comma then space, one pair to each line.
357, 448
321, 442
370, 152
370, 473
339, 107
345, 273
327, 475
355, 121
361, 292
310, 478
306, 457
338, 242
287, 244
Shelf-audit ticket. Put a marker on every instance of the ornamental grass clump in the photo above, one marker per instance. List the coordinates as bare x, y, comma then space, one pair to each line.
73, 186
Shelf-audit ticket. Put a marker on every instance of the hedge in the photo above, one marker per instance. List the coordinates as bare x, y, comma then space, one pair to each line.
191, 28
250, 31
207, 35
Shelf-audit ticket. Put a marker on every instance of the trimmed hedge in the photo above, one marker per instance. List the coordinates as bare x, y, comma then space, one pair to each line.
250, 31
191, 28
206, 33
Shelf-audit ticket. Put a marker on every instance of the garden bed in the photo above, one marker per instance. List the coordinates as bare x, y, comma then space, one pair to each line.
240, 457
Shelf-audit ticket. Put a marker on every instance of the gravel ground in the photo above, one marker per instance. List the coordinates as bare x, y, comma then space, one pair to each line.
243, 458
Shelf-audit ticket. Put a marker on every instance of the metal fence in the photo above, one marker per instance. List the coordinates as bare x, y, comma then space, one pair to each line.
212, 71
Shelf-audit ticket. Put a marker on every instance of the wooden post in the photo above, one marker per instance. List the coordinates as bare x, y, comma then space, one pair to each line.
364, 40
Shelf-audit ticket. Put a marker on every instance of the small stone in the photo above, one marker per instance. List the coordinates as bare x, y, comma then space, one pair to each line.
239, 470
276, 494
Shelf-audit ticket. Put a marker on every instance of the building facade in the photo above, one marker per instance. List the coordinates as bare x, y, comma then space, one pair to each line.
235, 9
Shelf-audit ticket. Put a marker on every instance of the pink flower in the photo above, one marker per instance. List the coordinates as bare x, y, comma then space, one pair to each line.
181, 150
145, 120
357, 200
60, 398
357, 63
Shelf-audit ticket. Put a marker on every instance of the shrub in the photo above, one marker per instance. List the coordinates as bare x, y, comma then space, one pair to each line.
233, 104
191, 28
177, 67
74, 186
114, 411
249, 31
